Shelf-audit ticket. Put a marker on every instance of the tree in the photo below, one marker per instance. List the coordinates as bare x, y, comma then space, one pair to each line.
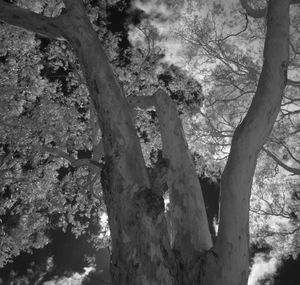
233, 47
144, 249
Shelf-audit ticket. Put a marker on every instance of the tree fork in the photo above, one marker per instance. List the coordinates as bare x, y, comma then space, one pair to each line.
189, 231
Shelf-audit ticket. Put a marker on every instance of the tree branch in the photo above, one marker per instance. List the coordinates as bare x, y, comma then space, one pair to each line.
23, 18
292, 82
293, 170
74, 162
240, 32
290, 153
254, 13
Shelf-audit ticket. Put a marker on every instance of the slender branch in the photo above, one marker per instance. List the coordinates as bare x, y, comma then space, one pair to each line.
240, 32
23, 18
290, 153
74, 162
293, 83
289, 113
283, 233
293, 170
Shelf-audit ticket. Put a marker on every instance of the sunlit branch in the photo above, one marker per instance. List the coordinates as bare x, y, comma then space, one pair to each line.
293, 170
23, 18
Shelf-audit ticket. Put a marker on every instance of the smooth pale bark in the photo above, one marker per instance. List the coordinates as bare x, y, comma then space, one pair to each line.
190, 235
229, 262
